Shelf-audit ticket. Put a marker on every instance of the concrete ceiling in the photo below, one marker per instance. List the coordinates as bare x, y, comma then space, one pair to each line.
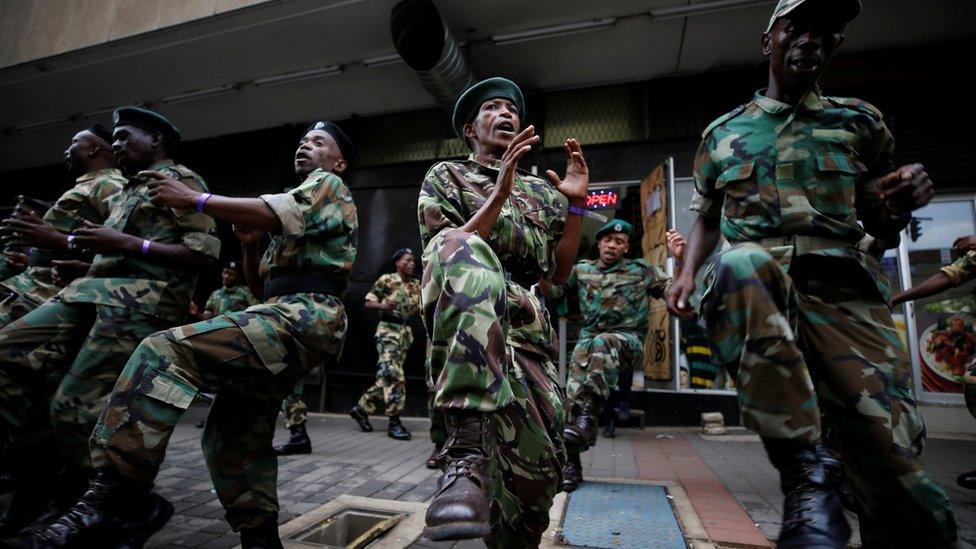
278, 37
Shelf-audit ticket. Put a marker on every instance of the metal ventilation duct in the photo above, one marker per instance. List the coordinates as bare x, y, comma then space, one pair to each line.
427, 47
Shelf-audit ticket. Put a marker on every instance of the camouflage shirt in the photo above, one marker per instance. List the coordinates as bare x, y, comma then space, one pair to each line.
614, 298
224, 300
530, 224
137, 282
318, 229
318, 236
405, 294
88, 200
963, 269
770, 170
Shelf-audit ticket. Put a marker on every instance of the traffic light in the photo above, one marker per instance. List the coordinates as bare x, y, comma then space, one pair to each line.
914, 228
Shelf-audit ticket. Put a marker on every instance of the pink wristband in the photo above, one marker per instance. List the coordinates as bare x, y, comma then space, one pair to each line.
201, 200
145, 247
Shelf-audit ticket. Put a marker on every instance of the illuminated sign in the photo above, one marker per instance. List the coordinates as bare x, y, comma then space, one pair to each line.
604, 199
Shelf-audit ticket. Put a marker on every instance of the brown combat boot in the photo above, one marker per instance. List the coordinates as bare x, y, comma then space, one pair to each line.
434, 460
582, 433
460, 507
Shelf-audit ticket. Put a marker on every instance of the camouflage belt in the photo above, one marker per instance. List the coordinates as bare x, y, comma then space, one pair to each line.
803, 244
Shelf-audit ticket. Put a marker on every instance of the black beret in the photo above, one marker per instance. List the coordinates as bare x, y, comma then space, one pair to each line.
402, 252
101, 132
342, 140
147, 120
467, 106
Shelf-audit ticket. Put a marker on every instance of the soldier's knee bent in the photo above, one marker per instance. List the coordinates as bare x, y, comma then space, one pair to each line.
745, 261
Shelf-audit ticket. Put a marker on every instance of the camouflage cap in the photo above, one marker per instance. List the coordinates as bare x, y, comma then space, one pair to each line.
615, 226
846, 10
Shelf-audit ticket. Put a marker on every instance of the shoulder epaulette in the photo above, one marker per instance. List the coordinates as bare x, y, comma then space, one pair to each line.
724, 118
856, 104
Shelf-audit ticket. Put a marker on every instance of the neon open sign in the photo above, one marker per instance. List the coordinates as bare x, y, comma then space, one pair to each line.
603, 199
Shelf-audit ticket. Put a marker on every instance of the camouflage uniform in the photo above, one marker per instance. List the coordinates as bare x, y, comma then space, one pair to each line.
393, 339
88, 200
78, 341
800, 315
492, 347
250, 359
294, 407
613, 303
224, 300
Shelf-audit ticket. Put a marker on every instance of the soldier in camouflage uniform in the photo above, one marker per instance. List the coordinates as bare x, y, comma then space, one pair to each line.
231, 296
250, 359
397, 297
59, 362
953, 275
490, 232
89, 158
613, 296
795, 310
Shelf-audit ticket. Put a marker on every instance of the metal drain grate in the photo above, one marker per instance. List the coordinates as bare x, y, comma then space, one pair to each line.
617, 516
350, 528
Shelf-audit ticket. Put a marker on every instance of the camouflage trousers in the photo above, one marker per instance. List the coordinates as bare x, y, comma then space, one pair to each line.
487, 355
294, 407
821, 339
597, 361
21, 294
393, 341
438, 423
166, 372
58, 365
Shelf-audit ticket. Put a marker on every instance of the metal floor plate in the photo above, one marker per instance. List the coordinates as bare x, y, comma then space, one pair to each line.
617, 516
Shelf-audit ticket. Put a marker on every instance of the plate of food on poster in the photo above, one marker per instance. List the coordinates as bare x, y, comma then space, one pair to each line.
947, 348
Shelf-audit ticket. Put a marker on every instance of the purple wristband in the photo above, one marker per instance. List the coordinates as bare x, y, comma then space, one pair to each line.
201, 200
145, 247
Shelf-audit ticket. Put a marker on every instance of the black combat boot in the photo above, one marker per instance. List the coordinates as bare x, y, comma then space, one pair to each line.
262, 536
362, 418
582, 432
115, 512
35, 469
396, 429
813, 514
623, 410
460, 507
434, 460
297, 443
572, 472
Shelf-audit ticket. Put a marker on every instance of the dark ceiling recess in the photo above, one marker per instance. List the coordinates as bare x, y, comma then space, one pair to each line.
428, 48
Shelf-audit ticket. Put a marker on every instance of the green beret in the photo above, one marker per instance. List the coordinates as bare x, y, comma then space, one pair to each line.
845, 10
147, 120
615, 226
467, 106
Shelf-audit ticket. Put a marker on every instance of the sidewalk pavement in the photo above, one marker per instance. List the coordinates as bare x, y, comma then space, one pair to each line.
728, 480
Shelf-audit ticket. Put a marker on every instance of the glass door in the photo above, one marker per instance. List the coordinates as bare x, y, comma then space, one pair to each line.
938, 327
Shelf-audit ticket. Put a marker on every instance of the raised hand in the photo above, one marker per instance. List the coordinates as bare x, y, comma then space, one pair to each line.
99, 238
906, 189
522, 144
166, 191
26, 228
577, 180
